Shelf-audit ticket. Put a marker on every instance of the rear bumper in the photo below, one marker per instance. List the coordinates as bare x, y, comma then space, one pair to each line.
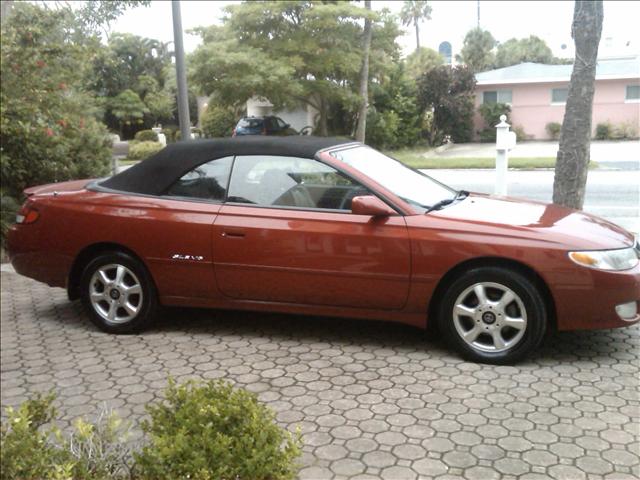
31, 260
590, 301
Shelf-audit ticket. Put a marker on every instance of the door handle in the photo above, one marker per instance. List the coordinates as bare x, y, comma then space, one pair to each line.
233, 234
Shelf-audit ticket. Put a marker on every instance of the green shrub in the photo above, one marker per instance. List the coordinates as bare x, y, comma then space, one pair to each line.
8, 209
141, 150
32, 446
218, 122
553, 130
604, 131
491, 113
521, 135
487, 135
213, 431
146, 136
382, 128
169, 134
625, 131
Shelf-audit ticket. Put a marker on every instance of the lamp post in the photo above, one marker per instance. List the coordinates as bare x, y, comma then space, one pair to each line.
181, 74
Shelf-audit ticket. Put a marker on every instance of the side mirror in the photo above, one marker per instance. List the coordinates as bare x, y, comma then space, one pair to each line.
370, 205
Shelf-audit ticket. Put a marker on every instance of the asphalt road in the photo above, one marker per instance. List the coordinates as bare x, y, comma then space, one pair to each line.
612, 194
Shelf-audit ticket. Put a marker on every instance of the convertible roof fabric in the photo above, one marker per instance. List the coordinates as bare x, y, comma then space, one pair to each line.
156, 174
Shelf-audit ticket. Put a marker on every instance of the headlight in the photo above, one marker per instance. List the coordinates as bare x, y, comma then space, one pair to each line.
623, 259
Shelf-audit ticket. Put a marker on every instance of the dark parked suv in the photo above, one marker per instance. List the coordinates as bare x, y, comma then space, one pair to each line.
267, 125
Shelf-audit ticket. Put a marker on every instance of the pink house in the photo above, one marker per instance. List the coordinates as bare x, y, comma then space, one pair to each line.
537, 94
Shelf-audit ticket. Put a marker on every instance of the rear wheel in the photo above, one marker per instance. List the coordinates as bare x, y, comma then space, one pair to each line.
493, 315
118, 293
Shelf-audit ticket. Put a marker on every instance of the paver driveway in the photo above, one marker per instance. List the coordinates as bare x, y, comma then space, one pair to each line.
373, 400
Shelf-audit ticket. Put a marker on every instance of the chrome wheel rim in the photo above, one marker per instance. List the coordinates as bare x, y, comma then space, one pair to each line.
115, 293
490, 317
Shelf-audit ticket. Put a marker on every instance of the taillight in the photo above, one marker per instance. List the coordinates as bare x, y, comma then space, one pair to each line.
27, 214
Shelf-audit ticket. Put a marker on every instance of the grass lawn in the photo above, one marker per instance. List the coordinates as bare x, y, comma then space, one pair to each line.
415, 160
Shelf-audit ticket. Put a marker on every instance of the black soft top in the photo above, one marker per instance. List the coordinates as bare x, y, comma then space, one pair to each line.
157, 173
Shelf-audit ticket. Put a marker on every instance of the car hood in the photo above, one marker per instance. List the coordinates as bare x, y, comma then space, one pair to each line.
549, 223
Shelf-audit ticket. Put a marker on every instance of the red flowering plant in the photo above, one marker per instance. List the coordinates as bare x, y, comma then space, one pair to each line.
48, 130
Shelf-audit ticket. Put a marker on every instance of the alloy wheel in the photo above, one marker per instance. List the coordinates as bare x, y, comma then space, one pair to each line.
115, 293
490, 317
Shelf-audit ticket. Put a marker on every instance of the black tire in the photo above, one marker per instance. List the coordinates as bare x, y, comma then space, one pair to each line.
528, 305
143, 306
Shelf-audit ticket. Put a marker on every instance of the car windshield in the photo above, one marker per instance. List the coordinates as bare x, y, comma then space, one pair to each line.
250, 123
412, 186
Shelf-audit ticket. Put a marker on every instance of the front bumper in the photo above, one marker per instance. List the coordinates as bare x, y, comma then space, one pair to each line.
590, 299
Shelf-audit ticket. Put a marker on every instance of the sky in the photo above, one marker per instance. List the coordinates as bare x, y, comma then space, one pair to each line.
450, 20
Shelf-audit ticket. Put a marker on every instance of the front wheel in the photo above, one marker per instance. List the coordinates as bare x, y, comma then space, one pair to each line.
493, 315
118, 293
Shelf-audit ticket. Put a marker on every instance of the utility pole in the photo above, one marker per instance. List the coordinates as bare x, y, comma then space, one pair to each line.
181, 74
478, 3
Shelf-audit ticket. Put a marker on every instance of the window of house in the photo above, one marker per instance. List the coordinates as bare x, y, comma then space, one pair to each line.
497, 96
291, 182
559, 95
632, 93
207, 181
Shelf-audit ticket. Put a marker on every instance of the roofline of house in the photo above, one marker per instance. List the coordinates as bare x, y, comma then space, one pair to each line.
552, 80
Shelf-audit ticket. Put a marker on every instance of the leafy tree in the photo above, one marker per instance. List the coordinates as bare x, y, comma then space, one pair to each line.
477, 50
422, 60
575, 136
515, 51
48, 127
414, 11
139, 64
395, 120
299, 52
127, 108
448, 93
218, 121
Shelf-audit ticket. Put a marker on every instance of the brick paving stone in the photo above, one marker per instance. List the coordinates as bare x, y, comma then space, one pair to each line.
372, 400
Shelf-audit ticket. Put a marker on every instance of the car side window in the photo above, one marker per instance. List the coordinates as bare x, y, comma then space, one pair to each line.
291, 182
280, 123
207, 181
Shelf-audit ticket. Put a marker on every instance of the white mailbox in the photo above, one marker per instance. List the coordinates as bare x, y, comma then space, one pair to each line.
505, 141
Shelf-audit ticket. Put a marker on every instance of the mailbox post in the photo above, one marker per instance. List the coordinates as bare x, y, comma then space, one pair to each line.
505, 141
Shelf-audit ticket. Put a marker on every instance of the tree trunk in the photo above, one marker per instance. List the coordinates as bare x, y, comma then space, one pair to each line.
323, 131
575, 137
364, 79
415, 21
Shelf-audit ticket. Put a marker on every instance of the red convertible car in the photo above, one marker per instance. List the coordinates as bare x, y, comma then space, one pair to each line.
325, 227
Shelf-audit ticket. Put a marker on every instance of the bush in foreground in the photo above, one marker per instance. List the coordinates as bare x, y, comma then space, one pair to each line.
32, 446
202, 431
213, 431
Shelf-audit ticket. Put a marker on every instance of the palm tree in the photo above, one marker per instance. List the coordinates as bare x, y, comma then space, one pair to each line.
572, 161
414, 11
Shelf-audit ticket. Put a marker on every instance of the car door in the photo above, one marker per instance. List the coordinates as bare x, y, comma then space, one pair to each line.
178, 235
287, 234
